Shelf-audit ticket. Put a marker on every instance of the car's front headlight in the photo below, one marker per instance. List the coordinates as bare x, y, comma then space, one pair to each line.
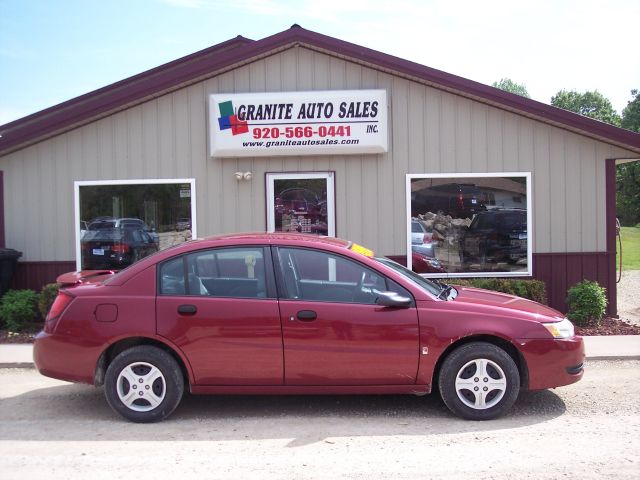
563, 329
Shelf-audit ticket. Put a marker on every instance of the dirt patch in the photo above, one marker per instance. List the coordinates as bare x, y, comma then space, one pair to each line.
610, 326
628, 300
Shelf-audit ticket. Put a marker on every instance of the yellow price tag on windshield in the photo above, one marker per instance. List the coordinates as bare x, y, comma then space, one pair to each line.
361, 250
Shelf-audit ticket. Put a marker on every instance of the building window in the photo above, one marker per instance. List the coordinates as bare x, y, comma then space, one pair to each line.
119, 222
469, 224
301, 202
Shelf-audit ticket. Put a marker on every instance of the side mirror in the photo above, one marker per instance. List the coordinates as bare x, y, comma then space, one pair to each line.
392, 299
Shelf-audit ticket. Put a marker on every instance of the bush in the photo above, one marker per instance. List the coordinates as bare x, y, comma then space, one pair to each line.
587, 303
17, 308
47, 296
532, 289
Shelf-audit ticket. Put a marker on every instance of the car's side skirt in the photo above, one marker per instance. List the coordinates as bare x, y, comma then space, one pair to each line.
309, 389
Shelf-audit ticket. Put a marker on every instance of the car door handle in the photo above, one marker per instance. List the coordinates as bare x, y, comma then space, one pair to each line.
187, 309
307, 315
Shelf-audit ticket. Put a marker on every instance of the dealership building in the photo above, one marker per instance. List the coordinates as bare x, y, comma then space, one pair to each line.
304, 132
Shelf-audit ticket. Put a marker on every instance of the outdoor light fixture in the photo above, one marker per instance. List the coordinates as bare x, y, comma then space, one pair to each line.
243, 175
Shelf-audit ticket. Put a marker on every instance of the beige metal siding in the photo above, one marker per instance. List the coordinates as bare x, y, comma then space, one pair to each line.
431, 131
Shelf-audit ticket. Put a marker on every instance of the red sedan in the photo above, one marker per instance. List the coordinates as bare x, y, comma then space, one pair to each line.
297, 314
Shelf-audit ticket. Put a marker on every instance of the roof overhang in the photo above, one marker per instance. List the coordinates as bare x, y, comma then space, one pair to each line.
241, 51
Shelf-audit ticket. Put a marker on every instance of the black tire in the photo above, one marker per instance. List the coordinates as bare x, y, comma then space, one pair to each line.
491, 392
149, 373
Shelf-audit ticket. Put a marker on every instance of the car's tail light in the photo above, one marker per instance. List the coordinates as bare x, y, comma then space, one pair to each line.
121, 248
61, 302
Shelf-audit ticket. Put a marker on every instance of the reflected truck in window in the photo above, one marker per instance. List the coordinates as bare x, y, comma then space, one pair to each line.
495, 235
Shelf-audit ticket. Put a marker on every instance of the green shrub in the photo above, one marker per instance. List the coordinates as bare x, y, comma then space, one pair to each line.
587, 303
532, 289
17, 308
47, 296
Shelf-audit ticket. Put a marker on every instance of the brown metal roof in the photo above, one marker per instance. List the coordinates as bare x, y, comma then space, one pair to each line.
232, 53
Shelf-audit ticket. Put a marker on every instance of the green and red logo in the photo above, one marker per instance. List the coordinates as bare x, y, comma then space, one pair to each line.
229, 120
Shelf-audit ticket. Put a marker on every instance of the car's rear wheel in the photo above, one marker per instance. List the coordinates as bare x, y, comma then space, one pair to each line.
144, 384
479, 381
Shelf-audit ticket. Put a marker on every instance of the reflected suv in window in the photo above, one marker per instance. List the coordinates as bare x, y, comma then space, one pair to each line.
112, 243
495, 235
112, 222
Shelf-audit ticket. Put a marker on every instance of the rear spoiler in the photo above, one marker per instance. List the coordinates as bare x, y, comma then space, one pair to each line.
71, 279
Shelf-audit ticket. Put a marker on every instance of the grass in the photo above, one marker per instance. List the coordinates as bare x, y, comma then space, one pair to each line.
630, 248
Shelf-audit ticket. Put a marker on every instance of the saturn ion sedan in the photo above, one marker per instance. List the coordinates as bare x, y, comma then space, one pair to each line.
297, 314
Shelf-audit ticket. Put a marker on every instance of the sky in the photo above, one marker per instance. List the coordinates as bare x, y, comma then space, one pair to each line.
55, 50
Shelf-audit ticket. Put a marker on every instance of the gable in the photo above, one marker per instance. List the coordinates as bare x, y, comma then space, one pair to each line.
234, 53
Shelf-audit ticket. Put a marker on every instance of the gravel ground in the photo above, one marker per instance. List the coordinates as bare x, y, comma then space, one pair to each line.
589, 430
629, 296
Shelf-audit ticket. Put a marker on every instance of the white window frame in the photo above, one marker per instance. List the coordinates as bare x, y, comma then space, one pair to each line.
331, 209
146, 181
530, 232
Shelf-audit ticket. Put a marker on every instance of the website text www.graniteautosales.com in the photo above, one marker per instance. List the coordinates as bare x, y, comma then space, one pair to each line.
298, 143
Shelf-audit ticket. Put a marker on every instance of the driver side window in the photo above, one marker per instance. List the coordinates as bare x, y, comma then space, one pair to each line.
322, 277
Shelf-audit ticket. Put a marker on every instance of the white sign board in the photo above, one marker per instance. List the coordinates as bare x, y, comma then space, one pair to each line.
298, 123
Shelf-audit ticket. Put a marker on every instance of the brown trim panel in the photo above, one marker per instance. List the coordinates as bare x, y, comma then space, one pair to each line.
2, 238
560, 271
610, 222
35, 275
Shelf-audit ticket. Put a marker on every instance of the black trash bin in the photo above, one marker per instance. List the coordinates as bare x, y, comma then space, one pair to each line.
8, 259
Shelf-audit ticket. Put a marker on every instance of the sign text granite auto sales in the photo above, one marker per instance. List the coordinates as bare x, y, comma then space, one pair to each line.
298, 123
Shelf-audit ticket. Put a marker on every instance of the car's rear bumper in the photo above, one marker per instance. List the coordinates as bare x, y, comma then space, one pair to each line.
553, 362
66, 358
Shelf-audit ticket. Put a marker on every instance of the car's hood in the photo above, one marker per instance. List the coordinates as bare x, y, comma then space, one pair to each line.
503, 300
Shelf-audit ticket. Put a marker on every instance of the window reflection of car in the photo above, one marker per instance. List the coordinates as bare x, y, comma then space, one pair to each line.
495, 235
100, 223
83, 228
308, 210
422, 237
459, 200
115, 247
183, 224
423, 262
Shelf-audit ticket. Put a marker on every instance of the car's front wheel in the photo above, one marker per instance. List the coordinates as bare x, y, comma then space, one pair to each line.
144, 384
479, 381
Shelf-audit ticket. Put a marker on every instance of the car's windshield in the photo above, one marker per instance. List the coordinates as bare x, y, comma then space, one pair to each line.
420, 281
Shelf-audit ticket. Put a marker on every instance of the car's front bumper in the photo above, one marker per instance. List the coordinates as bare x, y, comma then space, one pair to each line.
553, 362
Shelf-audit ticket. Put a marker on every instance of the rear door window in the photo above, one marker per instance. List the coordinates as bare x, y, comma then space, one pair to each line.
224, 272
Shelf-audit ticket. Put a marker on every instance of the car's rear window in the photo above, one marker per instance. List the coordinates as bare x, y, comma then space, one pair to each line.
112, 234
470, 190
101, 225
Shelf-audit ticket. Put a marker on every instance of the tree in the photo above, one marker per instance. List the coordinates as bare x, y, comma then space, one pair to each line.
509, 85
628, 193
628, 174
590, 104
631, 113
